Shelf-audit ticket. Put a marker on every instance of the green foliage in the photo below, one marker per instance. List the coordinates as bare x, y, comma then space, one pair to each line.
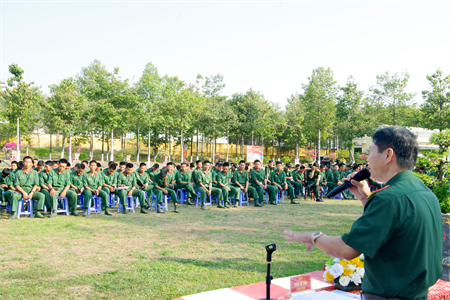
285, 159
441, 190
429, 181
120, 157
423, 162
42, 152
83, 156
266, 160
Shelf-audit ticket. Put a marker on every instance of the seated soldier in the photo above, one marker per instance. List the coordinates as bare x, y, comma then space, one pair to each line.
40, 166
55, 164
151, 172
13, 166
241, 180
224, 183
122, 167
99, 167
183, 181
109, 180
68, 167
198, 168
299, 177
147, 186
161, 183
3, 183
171, 175
323, 178
192, 167
312, 178
86, 166
35, 164
43, 184
26, 183
258, 180
76, 180
59, 185
270, 168
204, 186
93, 182
278, 180
290, 180
128, 180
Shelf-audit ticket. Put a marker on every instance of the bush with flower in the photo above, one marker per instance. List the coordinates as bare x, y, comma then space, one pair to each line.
345, 272
9, 147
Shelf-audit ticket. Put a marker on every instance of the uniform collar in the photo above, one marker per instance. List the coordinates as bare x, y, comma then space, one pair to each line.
278, 172
92, 174
31, 171
241, 171
61, 172
400, 176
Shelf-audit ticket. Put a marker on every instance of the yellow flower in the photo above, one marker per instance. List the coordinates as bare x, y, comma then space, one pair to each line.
354, 261
347, 272
360, 264
343, 263
329, 277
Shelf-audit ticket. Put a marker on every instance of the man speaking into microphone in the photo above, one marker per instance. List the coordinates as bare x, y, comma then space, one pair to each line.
400, 230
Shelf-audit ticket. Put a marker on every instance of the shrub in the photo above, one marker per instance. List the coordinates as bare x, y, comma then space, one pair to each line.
266, 160
285, 159
42, 152
441, 190
83, 156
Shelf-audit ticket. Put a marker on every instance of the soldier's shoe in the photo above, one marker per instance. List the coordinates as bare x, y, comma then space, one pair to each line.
144, 211
203, 205
39, 215
53, 215
294, 202
272, 202
319, 200
14, 216
73, 212
227, 205
175, 209
85, 213
189, 201
219, 205
257, 204
107, 212
159, 210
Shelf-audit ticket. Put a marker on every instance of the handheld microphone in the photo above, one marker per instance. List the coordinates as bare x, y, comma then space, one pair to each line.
360, 176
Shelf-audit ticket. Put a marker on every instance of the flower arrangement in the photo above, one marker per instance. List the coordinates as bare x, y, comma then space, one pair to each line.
364, 156
345, 273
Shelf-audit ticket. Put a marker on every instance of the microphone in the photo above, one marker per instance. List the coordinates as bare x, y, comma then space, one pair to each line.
360, 176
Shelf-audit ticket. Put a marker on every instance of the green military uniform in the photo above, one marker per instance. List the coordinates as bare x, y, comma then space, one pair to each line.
295, 184
260, 176
269, 170
400, 234
186, 178
3, 181
329, 175
299, 178
205, 177
312, 182
338, 176
194, 175
144, 179
242, 178
280, 178
224, 179
171, 177
43, 181
77, 181
129, 180
109, 179
93, 181
26, 181
159, 193
59, 182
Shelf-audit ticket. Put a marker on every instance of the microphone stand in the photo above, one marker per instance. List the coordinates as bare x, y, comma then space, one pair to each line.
270, 249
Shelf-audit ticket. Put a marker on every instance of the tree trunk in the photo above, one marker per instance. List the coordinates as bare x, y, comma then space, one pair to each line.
252, 139
192, 144
237, 146
50, 157
182, 141
197, 144
279, 150
63, 144
18, 140
203, 149
170, 147
273, 149
138, 144
318, 147
213, 146
297, 160
103, 140
242, 147
228, 144
262, 149
70, 150
122, 145
91, 150
149, 153
112, 144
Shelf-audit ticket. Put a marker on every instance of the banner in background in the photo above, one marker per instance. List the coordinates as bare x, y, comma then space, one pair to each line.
254, 153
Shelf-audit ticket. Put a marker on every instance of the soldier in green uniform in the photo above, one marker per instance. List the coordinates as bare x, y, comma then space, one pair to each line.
241, 180
400, 224
43, 184
270, 168
258, 180
198, 168
161, 183
330, 178
183, 181
86, 166
290, 180
143, 177
122, 167
40, 166
323, 178
224, 183
338, 176
3, 183
93, 186
128, 180
59, 185
204, 186
35, 164
76, 180
109, 180
313, 178
151, 173
299, 177
278, 178
26, 182
171, 172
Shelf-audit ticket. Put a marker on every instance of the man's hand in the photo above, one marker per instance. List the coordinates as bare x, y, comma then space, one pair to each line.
24, 195
30, 195
145, 185
96, 192
285, 187
301, 237
245, 190
208, 192
111, 190
78, 191
228, 189
122, 185
265, 187
317, 184
63, 194
360, 190
52, 192
165, 191
130, 193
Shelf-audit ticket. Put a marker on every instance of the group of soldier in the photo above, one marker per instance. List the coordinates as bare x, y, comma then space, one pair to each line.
50, 181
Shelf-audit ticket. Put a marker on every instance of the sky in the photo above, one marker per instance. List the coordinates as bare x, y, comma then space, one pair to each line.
270, 46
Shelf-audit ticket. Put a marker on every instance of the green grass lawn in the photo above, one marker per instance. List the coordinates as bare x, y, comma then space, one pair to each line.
162, 256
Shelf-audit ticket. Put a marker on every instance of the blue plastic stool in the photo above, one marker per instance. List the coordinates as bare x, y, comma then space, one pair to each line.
154, 205
65, 206
198, 201
21, 211
278, 197
241, 198
112, 200
97, 205
182, 195
81, 205
130, 205
266, 197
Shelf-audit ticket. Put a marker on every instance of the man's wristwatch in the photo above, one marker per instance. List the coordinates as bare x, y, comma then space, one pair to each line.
315, 236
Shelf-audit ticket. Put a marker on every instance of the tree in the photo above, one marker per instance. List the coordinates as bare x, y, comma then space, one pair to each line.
294, 116
442, 139
65, 108
435, 111
390, 93
22, 100
320, 94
